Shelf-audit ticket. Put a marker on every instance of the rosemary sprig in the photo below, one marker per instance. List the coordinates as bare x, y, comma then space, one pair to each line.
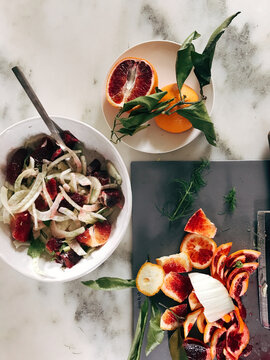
230, 200
187, 191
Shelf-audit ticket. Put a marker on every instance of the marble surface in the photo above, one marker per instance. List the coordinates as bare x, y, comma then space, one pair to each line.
66, 48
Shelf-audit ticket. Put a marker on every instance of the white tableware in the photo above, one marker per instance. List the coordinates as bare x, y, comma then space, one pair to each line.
162, 54
14, 137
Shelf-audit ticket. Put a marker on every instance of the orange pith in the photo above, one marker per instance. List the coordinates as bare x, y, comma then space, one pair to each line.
200, 250
130, 78
176, 123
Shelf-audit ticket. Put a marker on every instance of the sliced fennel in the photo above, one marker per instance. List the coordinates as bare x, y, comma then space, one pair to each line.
213, 296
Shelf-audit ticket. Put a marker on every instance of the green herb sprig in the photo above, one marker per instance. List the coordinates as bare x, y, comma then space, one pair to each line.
187, 191
230, 200
145, 108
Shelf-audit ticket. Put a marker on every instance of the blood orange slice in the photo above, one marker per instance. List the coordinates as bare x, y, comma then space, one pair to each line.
201, 225
177, 262
200, 250
173, 317
223, 249
190, 321
129, 78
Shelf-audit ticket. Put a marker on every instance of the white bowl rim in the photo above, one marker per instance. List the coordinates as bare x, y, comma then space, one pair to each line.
38, 277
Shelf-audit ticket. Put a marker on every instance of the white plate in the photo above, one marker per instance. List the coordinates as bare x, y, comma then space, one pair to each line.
162, 54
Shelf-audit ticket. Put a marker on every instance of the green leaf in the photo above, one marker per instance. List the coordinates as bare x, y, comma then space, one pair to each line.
148, 102
230, 200
177, 350
155, 334
198, 116
36, 248
184, 63
238, 264
203, 62
136, 347
47, 223
110, 283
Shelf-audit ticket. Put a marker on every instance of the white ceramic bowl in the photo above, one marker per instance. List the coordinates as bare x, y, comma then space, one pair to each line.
14, 137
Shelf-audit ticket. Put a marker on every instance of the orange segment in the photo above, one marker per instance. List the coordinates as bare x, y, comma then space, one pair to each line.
190, 321
175, 123
177, 262
193, 301
200, 250
150, 278
201, 322
223, 249
130, 78
239, 285
200, 224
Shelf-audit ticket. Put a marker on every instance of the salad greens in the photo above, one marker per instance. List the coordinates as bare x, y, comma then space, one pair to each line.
152, 105
177, 350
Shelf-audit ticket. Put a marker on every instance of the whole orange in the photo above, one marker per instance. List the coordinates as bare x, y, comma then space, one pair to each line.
176, 123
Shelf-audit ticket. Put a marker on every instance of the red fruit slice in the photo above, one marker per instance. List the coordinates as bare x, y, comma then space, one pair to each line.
221, 266
173, 317
233, 262
193, 301
209, 330
201, 322
247, 267
15, 165
52, 188
251, 256
228, 356
241, 307
190, 321
236, 340
84, 238
215, 338
223, 249
177, 263
176, 286
20, 226
200, 250
239, 285
128, 79
54, 245
201, 225
196, 349
69, 139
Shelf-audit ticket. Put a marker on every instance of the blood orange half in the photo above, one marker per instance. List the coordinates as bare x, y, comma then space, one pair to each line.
200, 250
130, 78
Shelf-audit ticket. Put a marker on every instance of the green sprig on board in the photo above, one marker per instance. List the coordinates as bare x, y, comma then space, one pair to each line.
186, 193
145, 108
230, 200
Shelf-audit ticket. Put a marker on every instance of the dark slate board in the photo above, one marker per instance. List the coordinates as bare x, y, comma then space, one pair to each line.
154, 237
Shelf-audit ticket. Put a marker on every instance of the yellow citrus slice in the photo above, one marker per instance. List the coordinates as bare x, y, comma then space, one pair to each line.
150, 278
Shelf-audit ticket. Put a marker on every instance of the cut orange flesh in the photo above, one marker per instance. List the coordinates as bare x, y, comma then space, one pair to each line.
130, 78
250, 255
176, 123
209, 330
176, 286
221, 266
193, 301
214, 340
223, 249
201, 225
150, 278
201, 322
239, 285
173, 317
177, 262
190, 321
248, 267
200, 250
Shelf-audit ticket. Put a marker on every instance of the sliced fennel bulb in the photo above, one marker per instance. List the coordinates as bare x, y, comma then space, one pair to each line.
213, 296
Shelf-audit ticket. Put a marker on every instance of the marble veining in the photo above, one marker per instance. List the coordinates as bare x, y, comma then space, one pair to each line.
66, 49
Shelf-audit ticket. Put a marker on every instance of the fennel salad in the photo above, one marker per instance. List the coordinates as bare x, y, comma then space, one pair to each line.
57, 202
